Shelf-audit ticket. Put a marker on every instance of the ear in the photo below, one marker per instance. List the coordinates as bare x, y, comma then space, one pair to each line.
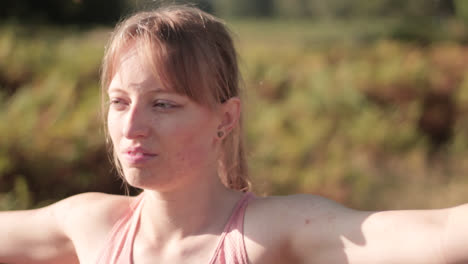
229, 115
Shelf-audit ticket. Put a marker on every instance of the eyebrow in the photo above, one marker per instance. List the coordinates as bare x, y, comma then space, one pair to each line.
156, 90
144, 83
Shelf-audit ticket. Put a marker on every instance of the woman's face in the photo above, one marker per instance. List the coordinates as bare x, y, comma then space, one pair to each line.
161, 138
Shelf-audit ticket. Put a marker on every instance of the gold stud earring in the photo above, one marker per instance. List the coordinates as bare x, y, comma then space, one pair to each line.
220, 134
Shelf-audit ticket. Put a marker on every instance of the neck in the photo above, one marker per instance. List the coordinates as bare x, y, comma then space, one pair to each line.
205, 207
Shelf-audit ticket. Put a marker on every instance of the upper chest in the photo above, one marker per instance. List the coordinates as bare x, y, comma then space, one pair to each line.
234, 246
194, 249
261, 239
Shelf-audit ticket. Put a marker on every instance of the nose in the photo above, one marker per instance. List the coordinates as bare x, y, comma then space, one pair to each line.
136, 123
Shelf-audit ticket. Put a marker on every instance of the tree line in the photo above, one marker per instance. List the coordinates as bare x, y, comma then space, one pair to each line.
92, 12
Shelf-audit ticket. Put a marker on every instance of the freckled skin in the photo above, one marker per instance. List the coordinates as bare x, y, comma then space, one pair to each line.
179, 130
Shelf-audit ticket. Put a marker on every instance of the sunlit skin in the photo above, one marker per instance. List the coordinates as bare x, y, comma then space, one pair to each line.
163, 139
166, 142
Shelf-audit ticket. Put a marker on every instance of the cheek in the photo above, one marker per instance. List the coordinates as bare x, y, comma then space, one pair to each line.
194, 145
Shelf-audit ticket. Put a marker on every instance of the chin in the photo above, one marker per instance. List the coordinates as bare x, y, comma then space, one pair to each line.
143, 179
136, 177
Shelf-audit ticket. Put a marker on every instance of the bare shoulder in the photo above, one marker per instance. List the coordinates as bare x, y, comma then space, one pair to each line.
91, 207
278, 223
312, 229
90, 211
306, 208
88, 218
69, 231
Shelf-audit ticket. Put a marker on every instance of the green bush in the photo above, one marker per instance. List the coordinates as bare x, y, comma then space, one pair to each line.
375, 124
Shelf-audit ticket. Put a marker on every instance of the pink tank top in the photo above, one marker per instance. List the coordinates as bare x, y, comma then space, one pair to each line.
230, 249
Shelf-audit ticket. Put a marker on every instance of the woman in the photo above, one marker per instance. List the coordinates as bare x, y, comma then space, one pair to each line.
171, 83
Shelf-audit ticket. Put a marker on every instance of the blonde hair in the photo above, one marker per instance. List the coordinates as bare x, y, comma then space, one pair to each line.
192, 53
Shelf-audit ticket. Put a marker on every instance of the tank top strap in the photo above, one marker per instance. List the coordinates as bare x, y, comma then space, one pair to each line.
127, 251
236, 221
118, 242
231, 247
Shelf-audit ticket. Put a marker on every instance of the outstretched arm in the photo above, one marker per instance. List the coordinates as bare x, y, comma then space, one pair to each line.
325, 232
34, 236
455, 235
76, 226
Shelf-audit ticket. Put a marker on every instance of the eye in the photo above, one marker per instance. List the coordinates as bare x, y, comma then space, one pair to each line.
117, 103
164, 104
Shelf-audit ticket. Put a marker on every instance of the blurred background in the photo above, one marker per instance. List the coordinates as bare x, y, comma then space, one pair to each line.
364, 102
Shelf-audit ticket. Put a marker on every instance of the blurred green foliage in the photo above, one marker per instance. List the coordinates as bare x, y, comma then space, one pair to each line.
51, 136
109, 11
318, 9
334, 107
356, 115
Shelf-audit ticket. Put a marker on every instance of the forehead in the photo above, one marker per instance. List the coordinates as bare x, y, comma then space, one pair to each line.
173, 68
133, 69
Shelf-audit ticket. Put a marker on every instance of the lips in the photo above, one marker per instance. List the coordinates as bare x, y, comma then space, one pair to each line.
138, 155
